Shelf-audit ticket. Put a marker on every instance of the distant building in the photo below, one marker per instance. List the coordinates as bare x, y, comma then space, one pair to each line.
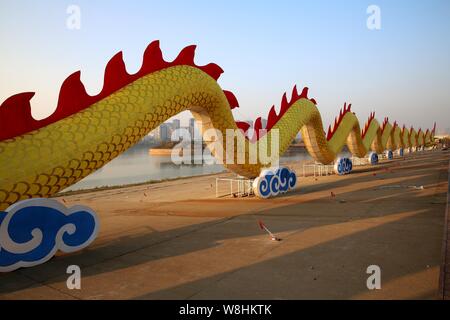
165, 132
175, 124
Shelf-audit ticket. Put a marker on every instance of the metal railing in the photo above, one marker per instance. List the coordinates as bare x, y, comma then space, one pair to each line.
319, 169
360, 161
238, 187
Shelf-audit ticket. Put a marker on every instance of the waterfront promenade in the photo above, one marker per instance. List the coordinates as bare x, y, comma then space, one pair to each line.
175, 240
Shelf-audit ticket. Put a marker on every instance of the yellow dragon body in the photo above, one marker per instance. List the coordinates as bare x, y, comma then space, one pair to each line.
41, 158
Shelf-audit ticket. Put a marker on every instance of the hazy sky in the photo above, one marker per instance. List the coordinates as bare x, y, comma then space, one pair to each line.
265, 47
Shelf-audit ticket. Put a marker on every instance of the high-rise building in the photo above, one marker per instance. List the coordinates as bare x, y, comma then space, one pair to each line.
175, 124
164, 132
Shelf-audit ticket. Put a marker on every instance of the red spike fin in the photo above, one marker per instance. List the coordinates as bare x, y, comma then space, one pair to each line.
329, 133
232, 100
244, 126
258, 127
272, 118
153, 59
72, 98
15, 115
366, 127
186, 56
295, 95
385, 122
213, 70
284, 103
116, 75
304, 93
258, 124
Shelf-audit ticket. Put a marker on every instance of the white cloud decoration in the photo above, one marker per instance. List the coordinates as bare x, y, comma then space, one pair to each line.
275, 181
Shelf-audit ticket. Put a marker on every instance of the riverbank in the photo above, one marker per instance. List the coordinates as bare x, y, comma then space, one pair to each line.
137, 166
174, 239
293, 164
104, 188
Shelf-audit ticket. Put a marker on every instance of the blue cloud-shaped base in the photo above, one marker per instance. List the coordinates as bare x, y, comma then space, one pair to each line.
272, 182
373, 158
343, 166
32, 231
389, 154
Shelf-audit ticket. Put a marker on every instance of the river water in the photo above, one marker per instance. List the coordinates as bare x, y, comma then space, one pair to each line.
136, 165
